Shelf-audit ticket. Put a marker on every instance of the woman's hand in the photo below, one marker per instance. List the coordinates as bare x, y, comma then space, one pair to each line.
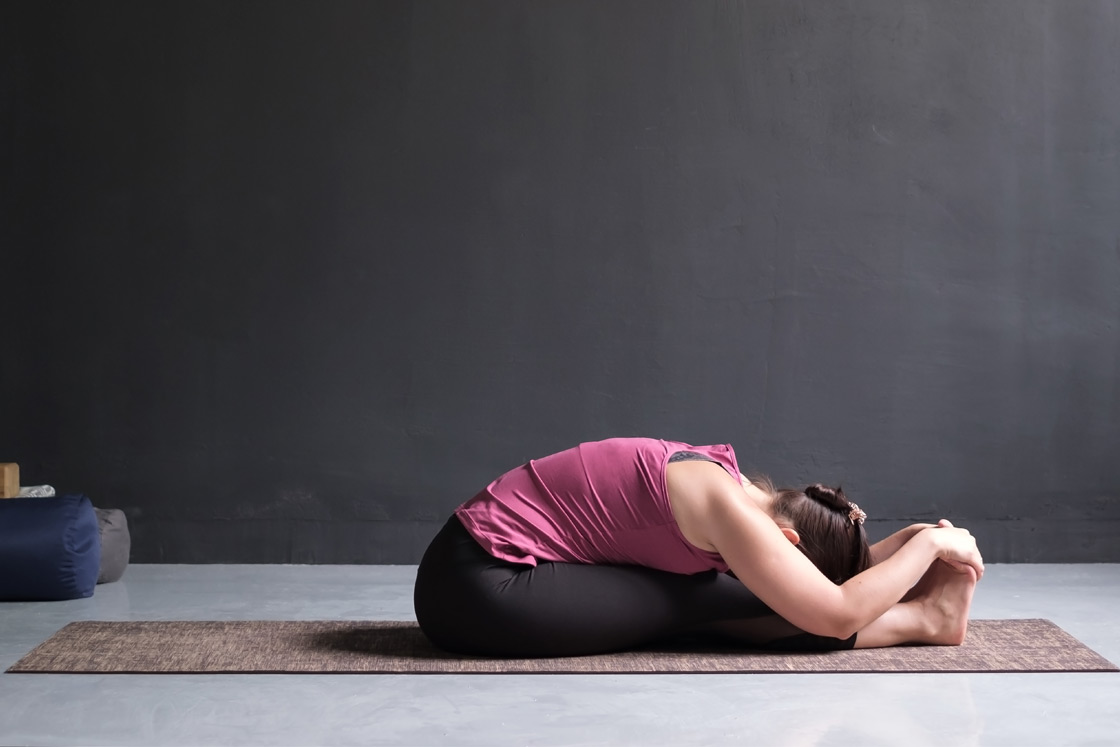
956, 546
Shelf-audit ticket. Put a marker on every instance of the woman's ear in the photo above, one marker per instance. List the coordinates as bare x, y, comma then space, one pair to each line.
791, 534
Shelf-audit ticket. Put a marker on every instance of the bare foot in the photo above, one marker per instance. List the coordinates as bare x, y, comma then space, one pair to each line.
945, 596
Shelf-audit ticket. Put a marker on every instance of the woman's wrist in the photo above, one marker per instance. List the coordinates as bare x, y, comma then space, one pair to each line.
933, 538
916, 529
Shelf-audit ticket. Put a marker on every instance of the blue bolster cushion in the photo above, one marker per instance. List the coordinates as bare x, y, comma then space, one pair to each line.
50, 548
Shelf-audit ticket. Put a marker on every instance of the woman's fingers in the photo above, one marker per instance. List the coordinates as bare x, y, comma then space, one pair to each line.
957, 565
944, 523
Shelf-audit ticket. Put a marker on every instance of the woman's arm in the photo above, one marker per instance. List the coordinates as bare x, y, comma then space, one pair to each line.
713, 512
885, 548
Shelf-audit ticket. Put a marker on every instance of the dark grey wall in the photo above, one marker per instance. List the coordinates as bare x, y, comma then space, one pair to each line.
288, 281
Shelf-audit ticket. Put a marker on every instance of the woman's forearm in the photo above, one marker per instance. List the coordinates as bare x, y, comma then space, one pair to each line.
885, 548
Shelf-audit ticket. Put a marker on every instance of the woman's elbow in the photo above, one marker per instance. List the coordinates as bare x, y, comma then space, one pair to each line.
845, 631
835, 625
840, 632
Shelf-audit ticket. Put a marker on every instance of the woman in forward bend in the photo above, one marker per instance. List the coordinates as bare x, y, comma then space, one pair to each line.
619, 543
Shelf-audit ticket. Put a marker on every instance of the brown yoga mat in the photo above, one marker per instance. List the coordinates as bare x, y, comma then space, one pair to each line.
260, 647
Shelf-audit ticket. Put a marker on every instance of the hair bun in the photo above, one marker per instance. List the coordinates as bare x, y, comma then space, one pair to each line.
831, 497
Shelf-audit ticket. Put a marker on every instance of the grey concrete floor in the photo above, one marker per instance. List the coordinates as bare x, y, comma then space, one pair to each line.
827, 709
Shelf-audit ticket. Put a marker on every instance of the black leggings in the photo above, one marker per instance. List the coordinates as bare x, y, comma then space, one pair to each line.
469, 602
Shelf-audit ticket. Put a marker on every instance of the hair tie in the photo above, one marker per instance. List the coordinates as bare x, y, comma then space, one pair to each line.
856, 514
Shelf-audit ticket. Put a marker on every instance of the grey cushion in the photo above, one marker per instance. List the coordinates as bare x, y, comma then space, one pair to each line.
115, 544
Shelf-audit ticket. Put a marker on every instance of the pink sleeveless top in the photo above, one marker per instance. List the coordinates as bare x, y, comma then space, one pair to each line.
599, 503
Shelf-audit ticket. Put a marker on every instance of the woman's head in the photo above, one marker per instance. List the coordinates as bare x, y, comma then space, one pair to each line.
829, 529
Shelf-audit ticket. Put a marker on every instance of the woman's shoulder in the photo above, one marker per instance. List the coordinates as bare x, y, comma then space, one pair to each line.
693, 487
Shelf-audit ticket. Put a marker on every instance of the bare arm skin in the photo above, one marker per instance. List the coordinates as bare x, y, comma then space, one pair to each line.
885, 548
714, 514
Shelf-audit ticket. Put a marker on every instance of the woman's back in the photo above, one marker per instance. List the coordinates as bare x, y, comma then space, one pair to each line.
601, 502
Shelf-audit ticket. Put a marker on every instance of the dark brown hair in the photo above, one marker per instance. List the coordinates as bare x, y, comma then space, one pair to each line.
820, 516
